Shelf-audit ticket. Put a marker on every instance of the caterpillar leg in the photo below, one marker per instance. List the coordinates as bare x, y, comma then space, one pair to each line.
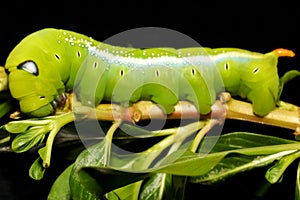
203, 98
263, 101
286, 106
164, 97
166, 107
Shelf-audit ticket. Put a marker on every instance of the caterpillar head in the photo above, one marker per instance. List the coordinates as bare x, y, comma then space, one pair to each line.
36, 88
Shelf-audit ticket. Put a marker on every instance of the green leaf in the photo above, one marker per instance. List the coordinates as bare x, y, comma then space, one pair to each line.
192, 164
89, 175
60, 190
37, 170
275, 173
5, 138
137, 132
5, 107
289, 76
236, 164
91, 179
297, 187
32, 132
155, 186
24, 125
27, 140
286, 78
245, 143
163, 186
17, 126
92, 182
127, 192
240, 140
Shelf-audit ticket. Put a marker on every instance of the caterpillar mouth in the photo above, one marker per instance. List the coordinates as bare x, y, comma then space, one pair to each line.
42, 111
59, 101
36, 106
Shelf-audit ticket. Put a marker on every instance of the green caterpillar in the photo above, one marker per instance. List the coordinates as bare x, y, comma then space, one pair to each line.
49, 62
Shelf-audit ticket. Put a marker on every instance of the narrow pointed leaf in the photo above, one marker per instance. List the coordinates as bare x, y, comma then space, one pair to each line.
155, 186
27, 140
297, 187
5, 108
127, 192
245, 143
275, 173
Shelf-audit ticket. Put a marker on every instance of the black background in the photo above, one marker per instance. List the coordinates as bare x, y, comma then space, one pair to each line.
247, 24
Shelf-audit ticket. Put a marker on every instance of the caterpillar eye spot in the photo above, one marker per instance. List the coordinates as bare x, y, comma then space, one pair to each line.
226, 66
256, 70
193, 72
42, 97
57, 56
122, 72
157, 73
29, 66
95, 65
78, 54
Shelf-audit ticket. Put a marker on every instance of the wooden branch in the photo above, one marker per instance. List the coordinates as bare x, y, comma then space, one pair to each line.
289, 119
224, 108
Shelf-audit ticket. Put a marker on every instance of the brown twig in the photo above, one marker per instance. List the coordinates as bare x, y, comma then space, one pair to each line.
289, 119
224, 108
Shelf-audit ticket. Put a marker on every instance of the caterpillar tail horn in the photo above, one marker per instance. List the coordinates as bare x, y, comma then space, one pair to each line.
284, 52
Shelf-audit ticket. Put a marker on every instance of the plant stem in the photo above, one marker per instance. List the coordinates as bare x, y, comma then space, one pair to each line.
289, 119
108, 141
57, 123
224, 108
202, 133
175, 139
